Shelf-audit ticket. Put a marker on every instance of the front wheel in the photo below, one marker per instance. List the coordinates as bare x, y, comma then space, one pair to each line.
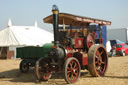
71, 70
41, 70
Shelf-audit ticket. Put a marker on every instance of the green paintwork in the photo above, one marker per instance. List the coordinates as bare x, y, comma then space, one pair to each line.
31, 52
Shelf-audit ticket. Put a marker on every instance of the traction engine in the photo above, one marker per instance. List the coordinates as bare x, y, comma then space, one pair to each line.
75, 48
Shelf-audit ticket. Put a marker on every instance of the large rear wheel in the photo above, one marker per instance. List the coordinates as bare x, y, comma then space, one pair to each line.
41, 70
97, 60
71, 70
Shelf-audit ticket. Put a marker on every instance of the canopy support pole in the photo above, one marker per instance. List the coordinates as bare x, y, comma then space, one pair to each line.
100, 35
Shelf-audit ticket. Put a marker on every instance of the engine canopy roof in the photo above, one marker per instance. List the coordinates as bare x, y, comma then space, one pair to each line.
75, 20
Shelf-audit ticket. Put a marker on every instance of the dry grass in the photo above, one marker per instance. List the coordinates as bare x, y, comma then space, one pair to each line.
117, 74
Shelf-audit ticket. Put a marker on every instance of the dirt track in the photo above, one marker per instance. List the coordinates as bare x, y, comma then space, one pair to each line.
117, 74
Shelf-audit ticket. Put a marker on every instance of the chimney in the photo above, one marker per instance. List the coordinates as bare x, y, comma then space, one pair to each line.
55, 12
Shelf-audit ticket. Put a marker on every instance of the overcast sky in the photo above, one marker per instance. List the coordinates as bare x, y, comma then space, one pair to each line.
26, 12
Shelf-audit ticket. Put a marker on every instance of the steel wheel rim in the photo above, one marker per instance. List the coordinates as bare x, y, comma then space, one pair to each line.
100, 61
73, 71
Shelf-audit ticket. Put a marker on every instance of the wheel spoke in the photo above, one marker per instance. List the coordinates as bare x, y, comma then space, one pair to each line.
97, 53
96, 56
101, 52
96, 62
71, 65
75, 65
75, 73
69, 75
103, 62
72, 77
68, 68
98, 68
69, 71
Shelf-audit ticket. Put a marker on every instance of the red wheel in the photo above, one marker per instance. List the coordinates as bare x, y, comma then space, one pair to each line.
97, 60
89, 40
71, 70
41, 72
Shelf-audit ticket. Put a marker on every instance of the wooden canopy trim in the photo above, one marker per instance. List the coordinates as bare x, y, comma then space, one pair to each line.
69, 18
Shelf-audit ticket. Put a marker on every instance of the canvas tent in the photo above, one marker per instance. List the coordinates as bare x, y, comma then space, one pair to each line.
24, 36
15, 36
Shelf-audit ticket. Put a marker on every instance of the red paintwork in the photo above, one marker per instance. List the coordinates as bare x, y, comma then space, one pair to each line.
79, 50
68, 55
84, 60
69, 52
120, 47
82, 57
78, 41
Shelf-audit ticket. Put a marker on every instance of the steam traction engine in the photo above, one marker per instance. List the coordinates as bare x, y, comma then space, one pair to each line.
75, 48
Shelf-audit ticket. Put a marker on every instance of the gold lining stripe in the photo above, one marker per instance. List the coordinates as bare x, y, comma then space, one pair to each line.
55, 12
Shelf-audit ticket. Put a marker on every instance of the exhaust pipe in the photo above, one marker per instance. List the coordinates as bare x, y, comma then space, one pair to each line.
55, 12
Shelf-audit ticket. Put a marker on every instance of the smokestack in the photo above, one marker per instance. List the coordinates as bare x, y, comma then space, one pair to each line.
55, 12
